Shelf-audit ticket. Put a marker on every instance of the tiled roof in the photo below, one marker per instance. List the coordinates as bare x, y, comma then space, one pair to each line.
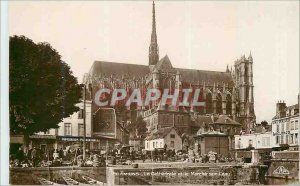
223, 119
262, 129
201, 120
138, 71
160, 133
112, 68
296, 106
191, 75
212, 133
165, 65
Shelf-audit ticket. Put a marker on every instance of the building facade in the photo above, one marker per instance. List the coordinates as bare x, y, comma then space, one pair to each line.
285, 125
160, 118
167, 138
254, 140
215, 134
229, 92
71, 132
136, 144
212, 141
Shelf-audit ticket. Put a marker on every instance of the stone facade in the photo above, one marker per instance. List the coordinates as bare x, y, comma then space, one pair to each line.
157, 119
215, 134
215, 142
122, 134
229, 92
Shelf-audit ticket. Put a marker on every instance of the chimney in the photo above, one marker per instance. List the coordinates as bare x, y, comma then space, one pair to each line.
280, 109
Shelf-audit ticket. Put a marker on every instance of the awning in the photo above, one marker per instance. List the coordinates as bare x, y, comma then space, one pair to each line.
42, 137
17, 139
75, 138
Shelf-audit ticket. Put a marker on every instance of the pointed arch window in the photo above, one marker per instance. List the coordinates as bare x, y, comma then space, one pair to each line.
228, 104
208, 103
219, 104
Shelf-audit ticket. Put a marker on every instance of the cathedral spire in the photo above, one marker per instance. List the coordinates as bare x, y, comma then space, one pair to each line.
153, 35
153, 48
250, 57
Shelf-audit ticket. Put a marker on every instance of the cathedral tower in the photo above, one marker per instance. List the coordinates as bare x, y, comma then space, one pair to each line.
243, 78
153, 48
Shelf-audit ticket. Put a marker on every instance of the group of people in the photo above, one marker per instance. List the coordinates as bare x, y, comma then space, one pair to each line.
22, 158
35, 157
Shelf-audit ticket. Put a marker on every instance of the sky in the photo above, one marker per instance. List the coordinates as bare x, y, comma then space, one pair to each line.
205, 35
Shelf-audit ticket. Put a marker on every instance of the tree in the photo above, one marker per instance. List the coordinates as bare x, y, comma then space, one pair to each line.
42, 87
264, 123
188, 141
138, 127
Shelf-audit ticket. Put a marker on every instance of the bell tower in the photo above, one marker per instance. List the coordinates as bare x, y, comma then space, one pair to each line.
243, 78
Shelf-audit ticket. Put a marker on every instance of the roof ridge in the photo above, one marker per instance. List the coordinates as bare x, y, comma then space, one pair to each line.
96, 61
202, 70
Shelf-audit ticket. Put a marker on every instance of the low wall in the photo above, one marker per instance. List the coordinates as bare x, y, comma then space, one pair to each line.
185, 164
284, 168
147, 173
206, 174
27, 176
286, 155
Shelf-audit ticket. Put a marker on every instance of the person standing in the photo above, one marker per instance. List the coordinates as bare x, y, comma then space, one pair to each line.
161, 156
61, 153
155, 154
55, 154
20, 154
34, 156
132, 156
143, 157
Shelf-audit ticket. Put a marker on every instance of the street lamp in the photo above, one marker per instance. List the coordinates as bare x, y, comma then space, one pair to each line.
84, 116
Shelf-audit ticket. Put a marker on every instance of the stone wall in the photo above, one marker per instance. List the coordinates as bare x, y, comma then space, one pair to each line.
205, 174
285, 155
284, 168
28, 176
175, 173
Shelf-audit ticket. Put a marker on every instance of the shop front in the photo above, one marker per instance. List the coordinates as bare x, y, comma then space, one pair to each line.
65, 141
43, 142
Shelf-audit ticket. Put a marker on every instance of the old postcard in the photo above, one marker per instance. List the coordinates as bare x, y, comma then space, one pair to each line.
153, 92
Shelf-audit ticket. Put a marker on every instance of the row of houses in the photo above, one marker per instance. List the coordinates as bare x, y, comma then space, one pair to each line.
208, 133
223, 135
281, 133
102, 130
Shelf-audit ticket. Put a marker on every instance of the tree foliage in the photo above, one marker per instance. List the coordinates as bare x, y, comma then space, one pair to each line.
137, 128
264, 123
42, 87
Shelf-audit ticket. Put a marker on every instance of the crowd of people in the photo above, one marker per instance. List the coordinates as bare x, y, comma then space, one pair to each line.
35, 157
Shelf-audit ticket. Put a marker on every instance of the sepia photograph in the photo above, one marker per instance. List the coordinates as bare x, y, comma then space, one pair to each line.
150, 92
